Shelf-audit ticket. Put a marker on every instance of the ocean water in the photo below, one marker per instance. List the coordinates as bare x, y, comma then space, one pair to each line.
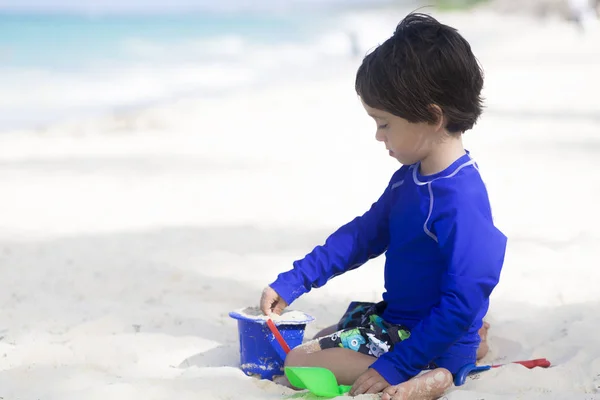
54, 66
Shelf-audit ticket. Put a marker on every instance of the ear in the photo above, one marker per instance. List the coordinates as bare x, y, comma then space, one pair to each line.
437, 112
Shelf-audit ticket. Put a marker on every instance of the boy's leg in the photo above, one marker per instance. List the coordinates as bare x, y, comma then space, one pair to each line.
428, 386
481, 351
306, 348
347, 365
432, 384
330, 330
483, 346
347, 353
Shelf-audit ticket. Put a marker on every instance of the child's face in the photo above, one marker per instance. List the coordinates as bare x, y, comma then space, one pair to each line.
405, 141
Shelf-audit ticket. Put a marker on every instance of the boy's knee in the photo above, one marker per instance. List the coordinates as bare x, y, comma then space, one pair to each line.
298, 355
295, 358
443, 375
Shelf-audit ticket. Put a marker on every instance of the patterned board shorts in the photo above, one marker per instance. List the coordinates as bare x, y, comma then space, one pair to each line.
362, 329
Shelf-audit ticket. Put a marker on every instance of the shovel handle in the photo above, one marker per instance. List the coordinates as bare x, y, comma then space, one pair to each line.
538, 362
461, 376
278, 336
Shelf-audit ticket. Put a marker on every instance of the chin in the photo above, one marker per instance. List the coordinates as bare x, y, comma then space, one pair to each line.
403, 160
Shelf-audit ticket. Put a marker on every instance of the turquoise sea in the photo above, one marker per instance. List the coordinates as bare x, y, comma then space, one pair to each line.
72, 42
54, 66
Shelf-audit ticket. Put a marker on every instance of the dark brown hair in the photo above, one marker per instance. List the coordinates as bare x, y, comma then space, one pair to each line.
424, 63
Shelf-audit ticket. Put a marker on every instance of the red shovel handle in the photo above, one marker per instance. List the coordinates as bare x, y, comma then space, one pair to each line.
539, 362
278, 336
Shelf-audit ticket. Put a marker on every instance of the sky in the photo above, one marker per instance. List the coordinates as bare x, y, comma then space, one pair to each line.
159, 5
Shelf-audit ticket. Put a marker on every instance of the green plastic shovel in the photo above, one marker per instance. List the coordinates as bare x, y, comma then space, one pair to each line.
319, 381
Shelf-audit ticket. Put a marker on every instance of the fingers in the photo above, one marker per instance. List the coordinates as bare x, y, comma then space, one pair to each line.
265, 304
267, 299
279, 306
368, 383
271, 302
377, 387
356, 385
362, 384
361, 389
277, 309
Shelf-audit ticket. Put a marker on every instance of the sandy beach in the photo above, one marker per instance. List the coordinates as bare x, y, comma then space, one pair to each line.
126, 240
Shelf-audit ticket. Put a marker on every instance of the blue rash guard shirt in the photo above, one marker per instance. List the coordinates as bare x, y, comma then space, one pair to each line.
443, 259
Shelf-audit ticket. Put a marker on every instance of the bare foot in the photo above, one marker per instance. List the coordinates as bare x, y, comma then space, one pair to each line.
428, 386
483, 346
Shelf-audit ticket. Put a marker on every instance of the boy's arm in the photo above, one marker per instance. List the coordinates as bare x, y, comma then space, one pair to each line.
474, 249
349, 247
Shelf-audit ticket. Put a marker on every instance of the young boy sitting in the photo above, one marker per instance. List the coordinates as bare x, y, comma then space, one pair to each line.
433, 221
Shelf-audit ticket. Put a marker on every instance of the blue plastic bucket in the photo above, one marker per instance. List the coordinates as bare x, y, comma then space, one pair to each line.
260, 353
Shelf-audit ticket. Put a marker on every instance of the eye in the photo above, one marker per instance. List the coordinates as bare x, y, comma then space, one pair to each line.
382, 126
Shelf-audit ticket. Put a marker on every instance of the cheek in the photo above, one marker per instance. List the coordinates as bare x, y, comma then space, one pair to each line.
401, 142
407, 143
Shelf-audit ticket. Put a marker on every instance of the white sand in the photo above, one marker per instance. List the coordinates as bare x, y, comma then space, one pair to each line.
288, 316
125, 243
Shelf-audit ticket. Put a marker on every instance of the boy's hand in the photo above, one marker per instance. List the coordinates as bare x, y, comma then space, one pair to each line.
369, 382
271, 302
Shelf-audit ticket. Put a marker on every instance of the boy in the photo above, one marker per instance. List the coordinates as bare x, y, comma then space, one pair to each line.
443, 253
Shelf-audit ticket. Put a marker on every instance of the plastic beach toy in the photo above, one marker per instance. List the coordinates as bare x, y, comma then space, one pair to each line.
261, 351
461, 376
319, 381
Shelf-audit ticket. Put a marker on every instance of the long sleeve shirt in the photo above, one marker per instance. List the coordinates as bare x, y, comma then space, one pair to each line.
443, 255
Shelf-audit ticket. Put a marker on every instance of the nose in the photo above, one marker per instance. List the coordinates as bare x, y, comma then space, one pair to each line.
379, 136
